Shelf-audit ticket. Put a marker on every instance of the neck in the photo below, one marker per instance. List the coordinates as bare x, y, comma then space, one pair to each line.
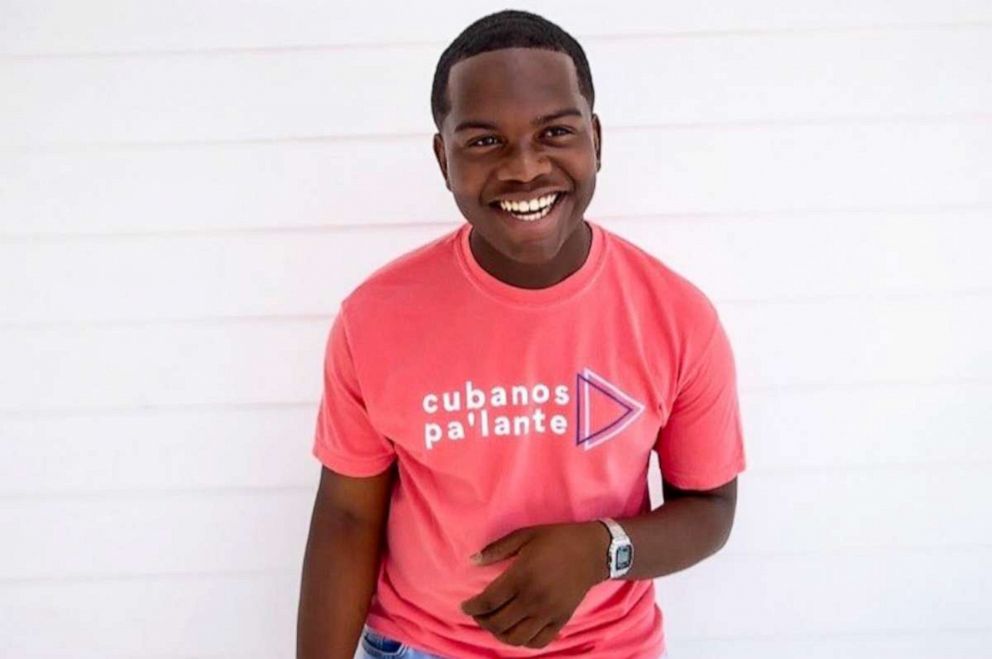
570, 257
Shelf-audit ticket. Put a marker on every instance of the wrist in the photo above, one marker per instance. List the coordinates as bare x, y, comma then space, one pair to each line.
599, 545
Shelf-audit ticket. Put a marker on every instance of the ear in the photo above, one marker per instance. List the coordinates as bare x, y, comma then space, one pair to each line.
597, 135
442, 160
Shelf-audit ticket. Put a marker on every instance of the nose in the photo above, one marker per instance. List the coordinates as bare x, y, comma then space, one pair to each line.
523, 163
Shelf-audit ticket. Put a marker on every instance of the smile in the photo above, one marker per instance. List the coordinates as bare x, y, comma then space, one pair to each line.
531, 210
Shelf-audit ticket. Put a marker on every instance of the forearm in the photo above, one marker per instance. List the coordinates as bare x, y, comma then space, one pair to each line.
676, 535
340, 567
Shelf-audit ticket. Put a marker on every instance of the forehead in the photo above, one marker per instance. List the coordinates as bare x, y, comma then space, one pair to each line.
518, 81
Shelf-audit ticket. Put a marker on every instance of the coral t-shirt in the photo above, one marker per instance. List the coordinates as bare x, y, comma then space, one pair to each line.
506, 407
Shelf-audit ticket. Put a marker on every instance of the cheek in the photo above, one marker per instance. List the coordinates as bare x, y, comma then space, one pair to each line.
467, 183
580, 162
462, 178
588, 161
462, 167
466, 197
582, 169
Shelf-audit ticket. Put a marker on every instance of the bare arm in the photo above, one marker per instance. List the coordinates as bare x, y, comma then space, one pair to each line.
689, 526
341, 563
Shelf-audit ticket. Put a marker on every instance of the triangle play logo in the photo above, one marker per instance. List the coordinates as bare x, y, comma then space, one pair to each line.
602, 410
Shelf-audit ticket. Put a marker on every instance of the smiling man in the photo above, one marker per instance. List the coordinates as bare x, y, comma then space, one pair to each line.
491, 399
526, 211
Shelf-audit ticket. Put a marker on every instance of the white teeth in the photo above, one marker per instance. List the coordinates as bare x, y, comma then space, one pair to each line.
531, 217
529, 206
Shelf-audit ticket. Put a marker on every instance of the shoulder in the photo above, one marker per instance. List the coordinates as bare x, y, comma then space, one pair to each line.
407, 279
661, 287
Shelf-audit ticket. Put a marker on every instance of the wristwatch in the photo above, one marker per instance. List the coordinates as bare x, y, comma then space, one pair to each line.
621, 553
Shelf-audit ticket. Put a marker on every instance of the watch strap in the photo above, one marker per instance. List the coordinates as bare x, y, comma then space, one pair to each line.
616, 531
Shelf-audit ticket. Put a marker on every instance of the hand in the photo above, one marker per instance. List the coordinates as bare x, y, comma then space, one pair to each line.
555, 566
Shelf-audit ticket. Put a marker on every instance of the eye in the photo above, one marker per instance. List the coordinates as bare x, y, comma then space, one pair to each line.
479, 141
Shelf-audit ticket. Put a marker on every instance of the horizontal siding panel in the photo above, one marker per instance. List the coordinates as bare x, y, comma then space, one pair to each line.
147, 451
844, 342
645, 172
905, 644
134, 533
813, 342
861, 426
722, 599
805, 512
198, 275
57, 26
386, 90
884, 508
249, 362
309, 272
733, 596
746, 257
168, 617
269, 446
177, 98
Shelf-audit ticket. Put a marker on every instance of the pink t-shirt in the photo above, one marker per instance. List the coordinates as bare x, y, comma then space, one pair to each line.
507, 407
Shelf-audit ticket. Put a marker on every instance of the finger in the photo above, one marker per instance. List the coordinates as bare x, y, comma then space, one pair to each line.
545, 636
496, 594
503, 618
500, 590
503, 548
523, 631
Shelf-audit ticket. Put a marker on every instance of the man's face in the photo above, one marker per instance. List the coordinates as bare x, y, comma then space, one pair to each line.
490, 148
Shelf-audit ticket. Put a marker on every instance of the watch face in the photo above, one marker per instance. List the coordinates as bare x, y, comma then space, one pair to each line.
624, 555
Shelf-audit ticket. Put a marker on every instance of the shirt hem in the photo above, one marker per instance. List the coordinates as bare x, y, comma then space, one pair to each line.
348, 466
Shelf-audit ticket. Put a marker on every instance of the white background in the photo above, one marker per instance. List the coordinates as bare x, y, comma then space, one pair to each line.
188, 189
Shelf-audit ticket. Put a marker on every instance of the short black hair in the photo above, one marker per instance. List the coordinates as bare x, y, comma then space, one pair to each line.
509, 28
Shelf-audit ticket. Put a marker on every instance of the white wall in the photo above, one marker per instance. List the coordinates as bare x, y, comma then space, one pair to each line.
187, 189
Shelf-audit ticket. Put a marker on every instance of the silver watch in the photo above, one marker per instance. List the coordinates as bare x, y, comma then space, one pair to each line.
621, 553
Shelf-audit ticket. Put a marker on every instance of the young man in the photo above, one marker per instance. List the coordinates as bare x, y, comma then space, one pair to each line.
499, 391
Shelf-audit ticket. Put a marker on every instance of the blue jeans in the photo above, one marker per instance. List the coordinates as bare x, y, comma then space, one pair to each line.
376, 646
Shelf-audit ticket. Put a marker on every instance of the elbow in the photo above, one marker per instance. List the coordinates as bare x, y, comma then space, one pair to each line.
725, 521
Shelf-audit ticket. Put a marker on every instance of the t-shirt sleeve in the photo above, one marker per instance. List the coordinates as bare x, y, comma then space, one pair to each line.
701, 445
345, 440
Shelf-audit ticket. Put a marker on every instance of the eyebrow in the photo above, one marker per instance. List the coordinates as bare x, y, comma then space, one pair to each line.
566, 112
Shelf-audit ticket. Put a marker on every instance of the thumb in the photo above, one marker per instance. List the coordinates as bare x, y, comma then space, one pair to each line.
502, 548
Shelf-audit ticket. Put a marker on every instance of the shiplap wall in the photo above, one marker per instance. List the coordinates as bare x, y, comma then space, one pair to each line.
187, 190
